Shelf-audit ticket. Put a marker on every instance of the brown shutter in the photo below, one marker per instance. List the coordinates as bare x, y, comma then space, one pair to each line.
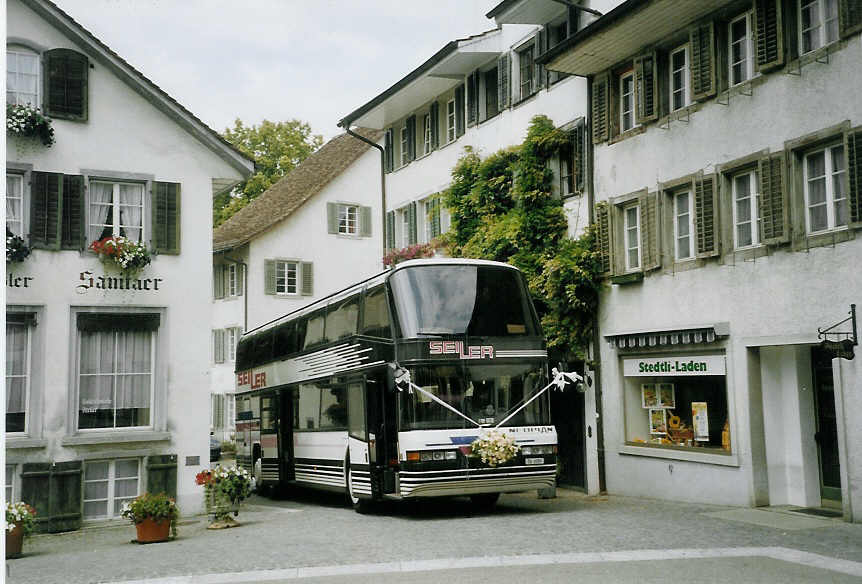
702, 66
769, 34
706, 216
166, 218
599, 109
46, 209
648, 203
853, 148
65, 86
646, 79
603, 237
850, 17
307, 269
72, 230
54, 489
774, 227
503, 77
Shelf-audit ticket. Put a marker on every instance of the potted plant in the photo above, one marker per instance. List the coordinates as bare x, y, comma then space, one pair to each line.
122, 253
20, 519
224, 488
154, 516
494, 448
27, 121
17, 249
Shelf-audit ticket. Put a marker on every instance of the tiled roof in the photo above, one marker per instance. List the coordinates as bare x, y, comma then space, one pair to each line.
287, 195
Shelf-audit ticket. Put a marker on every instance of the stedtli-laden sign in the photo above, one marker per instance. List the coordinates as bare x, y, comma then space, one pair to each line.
683, 365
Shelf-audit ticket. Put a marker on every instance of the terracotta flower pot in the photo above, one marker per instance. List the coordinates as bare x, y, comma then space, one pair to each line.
14, 542
150, 531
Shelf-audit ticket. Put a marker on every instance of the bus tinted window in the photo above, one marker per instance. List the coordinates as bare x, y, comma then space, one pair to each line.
285, 340
341, 319
333, 408
308, 407
473, 300
376, 319
262, 347
314, 330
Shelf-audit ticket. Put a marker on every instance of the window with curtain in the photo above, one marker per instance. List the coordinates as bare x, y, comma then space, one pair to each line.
17, 375
115, 377
15, 204
116, 209
22, 77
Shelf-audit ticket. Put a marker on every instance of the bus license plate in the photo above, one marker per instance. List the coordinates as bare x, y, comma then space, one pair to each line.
534, 460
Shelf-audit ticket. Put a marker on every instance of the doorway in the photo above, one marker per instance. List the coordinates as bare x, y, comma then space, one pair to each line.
285, 433
567, 416
827, 427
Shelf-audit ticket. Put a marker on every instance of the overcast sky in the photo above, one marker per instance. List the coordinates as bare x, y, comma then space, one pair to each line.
313, 60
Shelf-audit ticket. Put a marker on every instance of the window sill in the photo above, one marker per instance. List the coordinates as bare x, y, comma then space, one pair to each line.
820, 55
115, 437
520, 102
745, 254
669, 453
627, 134
630, 278
25, 442
826, 238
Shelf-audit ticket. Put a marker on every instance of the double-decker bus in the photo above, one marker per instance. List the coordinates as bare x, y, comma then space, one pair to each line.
380, 389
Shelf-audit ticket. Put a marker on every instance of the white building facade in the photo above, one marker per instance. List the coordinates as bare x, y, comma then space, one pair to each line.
728, 180
107, 374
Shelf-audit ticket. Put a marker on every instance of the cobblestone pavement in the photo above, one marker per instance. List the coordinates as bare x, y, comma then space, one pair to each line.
310, 529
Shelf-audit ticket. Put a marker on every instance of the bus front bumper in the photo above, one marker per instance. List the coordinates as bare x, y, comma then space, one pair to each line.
507, 479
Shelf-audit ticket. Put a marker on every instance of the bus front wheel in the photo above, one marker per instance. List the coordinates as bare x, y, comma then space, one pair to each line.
485, 501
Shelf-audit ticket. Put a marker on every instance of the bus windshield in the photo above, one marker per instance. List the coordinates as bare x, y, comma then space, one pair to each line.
485, 393
468, 299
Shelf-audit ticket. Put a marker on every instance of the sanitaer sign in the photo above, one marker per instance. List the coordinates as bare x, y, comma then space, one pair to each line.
674, 366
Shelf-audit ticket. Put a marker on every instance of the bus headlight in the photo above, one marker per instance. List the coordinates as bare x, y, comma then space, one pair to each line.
431, 455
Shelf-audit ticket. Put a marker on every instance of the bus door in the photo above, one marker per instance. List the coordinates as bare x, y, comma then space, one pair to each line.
357, 426
285, 434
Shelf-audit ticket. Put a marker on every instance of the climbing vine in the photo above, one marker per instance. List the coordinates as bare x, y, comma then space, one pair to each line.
502, 208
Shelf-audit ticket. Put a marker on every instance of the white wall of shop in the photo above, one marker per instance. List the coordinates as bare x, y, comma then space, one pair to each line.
124, 134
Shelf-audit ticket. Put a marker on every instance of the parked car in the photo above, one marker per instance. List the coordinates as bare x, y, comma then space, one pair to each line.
215, 449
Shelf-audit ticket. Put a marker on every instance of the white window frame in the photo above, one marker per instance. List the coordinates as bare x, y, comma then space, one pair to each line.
450, 121
822, 40
628, 229
684, 89
526, 86
752, 203
18, 195
829, 178
111, 479
690, 222
426, 134
28, 379
12, 58
286, 267
348, 219
232, 274
627, 109
231, 339
115, 208
747, 43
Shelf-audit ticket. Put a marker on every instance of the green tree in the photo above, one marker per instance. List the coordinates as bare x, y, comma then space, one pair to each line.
277, 148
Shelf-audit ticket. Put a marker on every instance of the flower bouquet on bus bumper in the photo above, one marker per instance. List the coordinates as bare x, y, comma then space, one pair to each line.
224, 489
494, 448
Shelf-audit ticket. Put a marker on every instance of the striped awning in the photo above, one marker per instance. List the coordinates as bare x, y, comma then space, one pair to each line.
697, 335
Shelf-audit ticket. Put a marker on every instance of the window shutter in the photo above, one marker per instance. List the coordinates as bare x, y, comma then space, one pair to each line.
411, 223
166, 218
651, 258
307, 269
702, 66
578, 157
435, 125
459, 111
472, 99
269, 276
435, 217
72, 229
54, 489
66, 84
647, 88
365, 221
503, 76
218, 281
218, 345
599, 118
850, 17
389, 154
411, 138
162, 474
240, 272
769, 34
390, 230
706, 216
603, 237
853, 148
46, 209
332, 217
773, 203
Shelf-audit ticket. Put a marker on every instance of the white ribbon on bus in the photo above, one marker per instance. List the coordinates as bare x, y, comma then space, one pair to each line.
560, 380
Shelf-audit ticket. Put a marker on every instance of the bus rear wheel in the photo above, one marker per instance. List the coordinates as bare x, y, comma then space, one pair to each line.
359, 505
485, 501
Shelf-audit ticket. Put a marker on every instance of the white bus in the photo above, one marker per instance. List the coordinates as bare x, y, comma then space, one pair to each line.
379, 390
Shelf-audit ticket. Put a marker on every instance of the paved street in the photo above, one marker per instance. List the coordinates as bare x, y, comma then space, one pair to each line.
316, 538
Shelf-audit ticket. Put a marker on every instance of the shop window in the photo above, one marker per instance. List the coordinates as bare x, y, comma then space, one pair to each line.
108, 485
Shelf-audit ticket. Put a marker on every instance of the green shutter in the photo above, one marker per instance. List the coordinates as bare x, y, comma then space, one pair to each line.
412, 224
853, 148
72, 230
365, 221
646, 79
850, 17
307, 278
65, 84
166, 217
35, 491
54, 490
390, 230
459, 111
603, 237
218, 281
702, 68
649, 217
472, 98
332, 217
706, 216
269, 276
503, 76
435, 125
411, 138
769, 35
774, 227
388, 152
240, 273
46, 210
599, 108
578, 158
218, 345
162, 474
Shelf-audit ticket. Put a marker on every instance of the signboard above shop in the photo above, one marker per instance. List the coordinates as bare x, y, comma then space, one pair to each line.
688, 365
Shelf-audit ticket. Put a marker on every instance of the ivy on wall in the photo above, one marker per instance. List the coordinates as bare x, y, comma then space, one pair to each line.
503, 209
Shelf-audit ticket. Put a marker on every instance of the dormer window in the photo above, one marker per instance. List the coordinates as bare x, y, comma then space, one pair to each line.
22, 77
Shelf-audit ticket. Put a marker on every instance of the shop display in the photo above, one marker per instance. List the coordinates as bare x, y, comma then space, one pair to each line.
700, 421
657, 421
666, 395
649, 396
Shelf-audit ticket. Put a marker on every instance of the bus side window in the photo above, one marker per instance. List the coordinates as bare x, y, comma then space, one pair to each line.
285, 340
262, 347
308, 409
314, 332
341, 320
376, 314
333, 408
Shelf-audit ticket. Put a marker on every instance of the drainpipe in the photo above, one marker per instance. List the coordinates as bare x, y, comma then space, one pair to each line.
244, 288
382, 182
